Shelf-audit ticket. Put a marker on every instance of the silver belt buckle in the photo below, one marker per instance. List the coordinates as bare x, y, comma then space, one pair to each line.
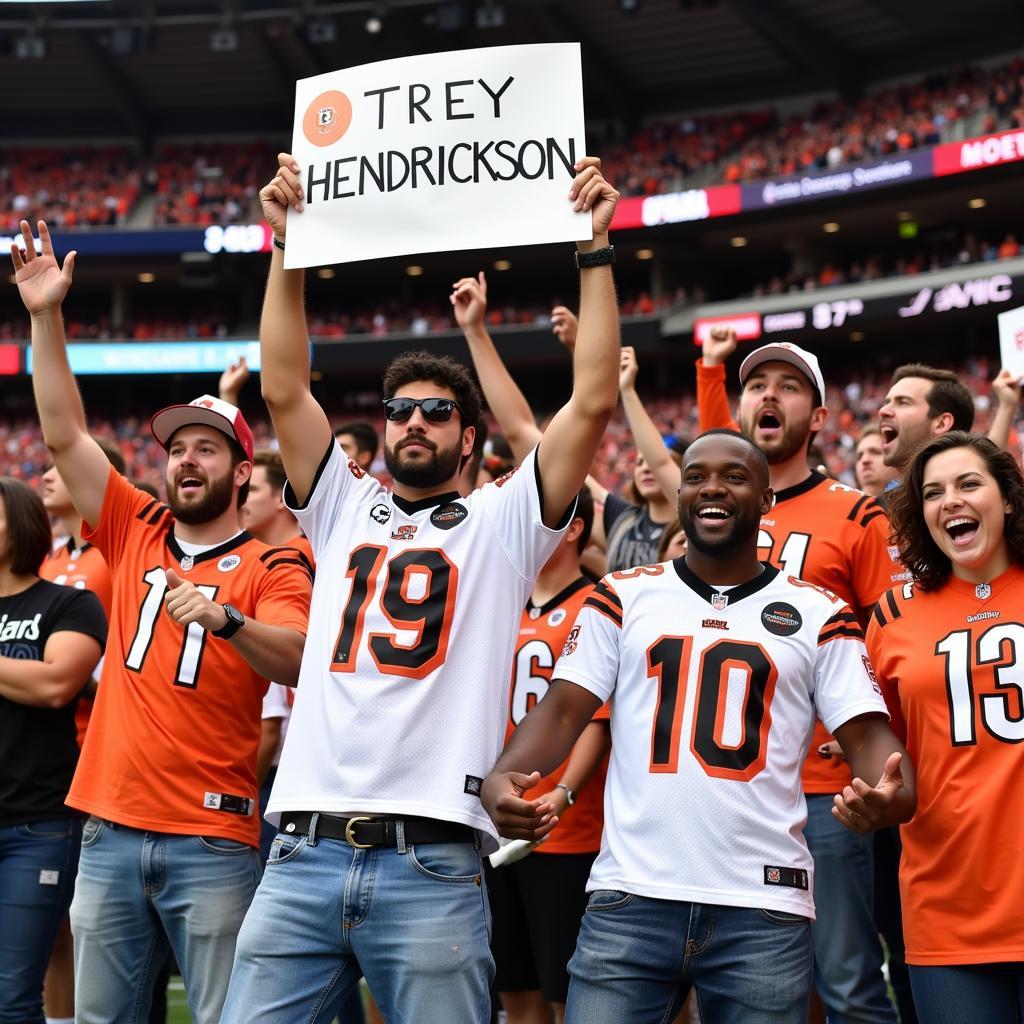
351, 839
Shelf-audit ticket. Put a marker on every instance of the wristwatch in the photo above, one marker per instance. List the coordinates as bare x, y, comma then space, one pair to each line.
570, 796
236, 620
597, 258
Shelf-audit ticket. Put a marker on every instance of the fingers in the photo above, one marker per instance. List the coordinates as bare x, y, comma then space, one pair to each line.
287, 160
284, 189
68, 270
30, 245
521, 819
852, 819
893, 771
16, 257
173, 579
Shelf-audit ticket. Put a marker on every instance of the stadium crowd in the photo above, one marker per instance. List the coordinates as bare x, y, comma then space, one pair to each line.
594, 535
216, 182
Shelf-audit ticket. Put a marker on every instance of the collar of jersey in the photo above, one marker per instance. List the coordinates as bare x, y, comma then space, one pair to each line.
801, 488
411, 507
71, 549
706, 591
562, 595
220, 549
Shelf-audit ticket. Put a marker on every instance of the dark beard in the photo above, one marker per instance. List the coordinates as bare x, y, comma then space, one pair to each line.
217, 500
442, 465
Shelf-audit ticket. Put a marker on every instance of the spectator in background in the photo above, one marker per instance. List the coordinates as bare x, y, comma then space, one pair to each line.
54, 636
870, 471
360, 441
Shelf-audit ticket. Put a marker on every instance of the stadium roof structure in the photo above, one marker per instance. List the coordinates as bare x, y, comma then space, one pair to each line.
147, 68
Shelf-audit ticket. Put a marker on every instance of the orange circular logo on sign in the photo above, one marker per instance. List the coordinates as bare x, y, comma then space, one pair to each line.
327, 118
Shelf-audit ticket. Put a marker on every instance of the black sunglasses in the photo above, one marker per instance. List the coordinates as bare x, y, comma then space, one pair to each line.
435, 410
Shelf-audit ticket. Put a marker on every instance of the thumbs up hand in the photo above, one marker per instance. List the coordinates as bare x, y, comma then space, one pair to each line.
186, 603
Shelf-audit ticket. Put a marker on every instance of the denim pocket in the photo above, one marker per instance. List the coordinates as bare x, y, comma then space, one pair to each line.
457, 863
48, 829
92, 830
783, 917
285, 848
225, 847
609, 899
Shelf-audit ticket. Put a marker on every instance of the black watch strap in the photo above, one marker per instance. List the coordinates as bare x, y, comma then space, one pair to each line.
236, 620
597, 258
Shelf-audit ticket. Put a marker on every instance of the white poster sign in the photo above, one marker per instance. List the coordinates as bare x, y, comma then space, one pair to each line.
462, 150
1011, 340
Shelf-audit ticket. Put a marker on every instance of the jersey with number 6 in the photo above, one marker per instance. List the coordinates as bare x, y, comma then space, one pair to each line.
712, 710
951, 665
175, 727
401, 702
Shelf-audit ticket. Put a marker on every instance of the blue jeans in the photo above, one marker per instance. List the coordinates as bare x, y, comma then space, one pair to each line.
37, 876
847, 952
993, 993
413, 919
637, 958
132, 888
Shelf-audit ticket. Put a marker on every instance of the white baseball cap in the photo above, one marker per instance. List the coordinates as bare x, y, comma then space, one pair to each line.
783, 352
211, 412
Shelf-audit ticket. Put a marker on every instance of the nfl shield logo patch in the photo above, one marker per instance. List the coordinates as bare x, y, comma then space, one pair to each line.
719, 601
983, 591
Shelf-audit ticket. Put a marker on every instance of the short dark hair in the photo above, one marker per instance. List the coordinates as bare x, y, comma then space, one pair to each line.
584, 511
671, 529
365, 434
947, 394
759, 455
930, 567
271, 462
29, 537
441, 370
476, 458
113, 454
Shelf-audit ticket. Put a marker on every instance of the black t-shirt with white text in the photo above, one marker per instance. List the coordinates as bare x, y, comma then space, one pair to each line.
38, 748
633, 537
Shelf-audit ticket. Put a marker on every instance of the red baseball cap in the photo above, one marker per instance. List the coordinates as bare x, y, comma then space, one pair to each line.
209, 411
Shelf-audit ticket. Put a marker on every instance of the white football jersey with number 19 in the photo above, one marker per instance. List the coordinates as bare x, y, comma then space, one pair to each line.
714, 696
416, 606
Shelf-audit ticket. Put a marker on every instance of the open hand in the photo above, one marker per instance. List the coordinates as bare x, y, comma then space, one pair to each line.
41, 283
862, 808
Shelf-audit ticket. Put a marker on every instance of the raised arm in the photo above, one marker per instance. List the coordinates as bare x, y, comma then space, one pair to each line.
80, 461
1007, 388
501, 393
648, 438
571, 439
302, 427
712, 400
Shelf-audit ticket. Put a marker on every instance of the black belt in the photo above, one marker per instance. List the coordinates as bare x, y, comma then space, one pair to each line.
364, 831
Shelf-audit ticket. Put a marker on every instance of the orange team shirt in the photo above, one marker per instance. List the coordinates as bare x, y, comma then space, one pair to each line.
949, 663
176, 723
826, 533
542, 633
85, 569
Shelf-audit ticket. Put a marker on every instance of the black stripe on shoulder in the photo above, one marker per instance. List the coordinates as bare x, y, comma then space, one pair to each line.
270, 552
854, 632
841, 618
147, 508
879, 615
600, 606
894, 608
858, 505
871, 515
157, 515
290, 561
603, 590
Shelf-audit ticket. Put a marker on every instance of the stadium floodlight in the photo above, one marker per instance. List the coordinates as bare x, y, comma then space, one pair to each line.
737, 241
325, 273
374, 23
224, 40
502, 265
629, 6
645, 254
414, 271
977, 203
830, 227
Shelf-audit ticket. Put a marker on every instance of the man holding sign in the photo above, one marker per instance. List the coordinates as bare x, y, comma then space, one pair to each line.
399, 711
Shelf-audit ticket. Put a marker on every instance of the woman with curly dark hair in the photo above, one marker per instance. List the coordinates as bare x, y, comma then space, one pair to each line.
948, 648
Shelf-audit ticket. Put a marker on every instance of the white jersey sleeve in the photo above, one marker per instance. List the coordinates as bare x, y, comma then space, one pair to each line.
275, 702
337, 482
514, 505
844, 681
590, 657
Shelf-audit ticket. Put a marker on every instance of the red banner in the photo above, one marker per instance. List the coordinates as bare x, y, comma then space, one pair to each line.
677, 207
10, 360
973, 154
746, 325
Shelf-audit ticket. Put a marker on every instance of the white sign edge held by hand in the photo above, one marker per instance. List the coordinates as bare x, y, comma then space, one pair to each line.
378, 238
1011, 340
